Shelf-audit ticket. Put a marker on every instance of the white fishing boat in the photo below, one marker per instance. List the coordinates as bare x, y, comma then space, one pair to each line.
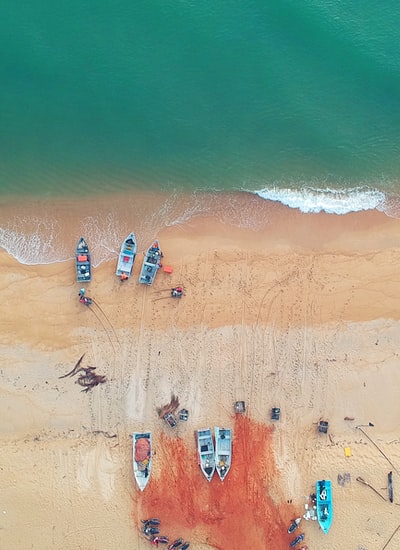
205, 452
223, 451
126, 257
142, 458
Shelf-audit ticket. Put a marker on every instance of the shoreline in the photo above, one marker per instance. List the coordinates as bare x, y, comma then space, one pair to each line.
44, 231
299, 311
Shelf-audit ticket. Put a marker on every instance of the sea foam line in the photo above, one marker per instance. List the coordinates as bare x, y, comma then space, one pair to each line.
333, 201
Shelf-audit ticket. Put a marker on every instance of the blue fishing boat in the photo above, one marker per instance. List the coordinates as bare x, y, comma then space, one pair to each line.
151, 264
324, 504
82, 260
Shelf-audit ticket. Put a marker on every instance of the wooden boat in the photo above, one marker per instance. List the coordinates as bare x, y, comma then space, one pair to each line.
151, 264
223, 451
390, 486
142, 458
126, 257
83, 265
205, 452
324, 504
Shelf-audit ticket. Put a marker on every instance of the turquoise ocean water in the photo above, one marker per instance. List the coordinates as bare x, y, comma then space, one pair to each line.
296, 100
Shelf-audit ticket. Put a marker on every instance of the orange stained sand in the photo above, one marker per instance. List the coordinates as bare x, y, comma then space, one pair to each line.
235, 514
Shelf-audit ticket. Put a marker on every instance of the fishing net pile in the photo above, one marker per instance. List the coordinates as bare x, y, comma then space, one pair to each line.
142, 451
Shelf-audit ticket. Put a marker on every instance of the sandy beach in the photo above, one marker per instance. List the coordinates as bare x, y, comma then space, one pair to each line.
302, 312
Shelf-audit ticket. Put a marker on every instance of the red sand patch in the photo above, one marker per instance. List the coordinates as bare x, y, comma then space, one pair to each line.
225, 515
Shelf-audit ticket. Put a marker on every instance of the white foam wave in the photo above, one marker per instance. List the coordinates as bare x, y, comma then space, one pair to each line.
332, 201
31, 241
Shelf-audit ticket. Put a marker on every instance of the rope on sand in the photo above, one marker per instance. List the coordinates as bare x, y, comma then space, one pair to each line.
380, 450
394, 532
361, 480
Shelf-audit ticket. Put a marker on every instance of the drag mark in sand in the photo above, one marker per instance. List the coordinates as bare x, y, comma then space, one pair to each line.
235, 514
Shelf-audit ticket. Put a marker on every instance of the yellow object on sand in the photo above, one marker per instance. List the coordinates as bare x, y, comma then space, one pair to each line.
347, 451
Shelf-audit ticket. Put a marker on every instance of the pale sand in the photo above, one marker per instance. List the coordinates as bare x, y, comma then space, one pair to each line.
302, 313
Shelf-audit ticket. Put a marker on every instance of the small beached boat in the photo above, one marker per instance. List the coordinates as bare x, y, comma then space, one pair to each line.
324, 504
126, 257
205, 452
390, 486
151, 264
223, 451
82, 258
142, 458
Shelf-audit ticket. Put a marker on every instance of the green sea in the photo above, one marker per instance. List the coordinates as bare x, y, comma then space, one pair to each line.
296, 100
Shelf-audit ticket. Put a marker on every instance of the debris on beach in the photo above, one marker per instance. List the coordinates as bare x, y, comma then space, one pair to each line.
310, 508
88, 379
361, 480
343, 479
76, 368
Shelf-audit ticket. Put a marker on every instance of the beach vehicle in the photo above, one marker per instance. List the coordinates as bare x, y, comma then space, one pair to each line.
126, 257
323, 426
240, 407
170, 420
324, 504
185, 546
183, 415
205, 452
275, 413
159, 540
177, 292
151, 521
151, 264
293, 526
82, 260
175, 544
223, 451
297, 540
150, 531
142, 458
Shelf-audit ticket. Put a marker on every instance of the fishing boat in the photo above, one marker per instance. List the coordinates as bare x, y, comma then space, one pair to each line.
142, 458
82, 258
205, 452
223, 451
324, 504
151, 264
390, 486
126, 257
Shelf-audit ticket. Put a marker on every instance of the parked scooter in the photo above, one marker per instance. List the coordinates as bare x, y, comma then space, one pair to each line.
293, 526
297, 540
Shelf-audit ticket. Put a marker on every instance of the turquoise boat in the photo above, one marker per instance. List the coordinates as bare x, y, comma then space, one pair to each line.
324, 504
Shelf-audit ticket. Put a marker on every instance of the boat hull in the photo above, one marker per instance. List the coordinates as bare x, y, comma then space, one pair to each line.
126, 257
223, 451
324, 504
83, 262
151, 264
142, 458
206, 452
